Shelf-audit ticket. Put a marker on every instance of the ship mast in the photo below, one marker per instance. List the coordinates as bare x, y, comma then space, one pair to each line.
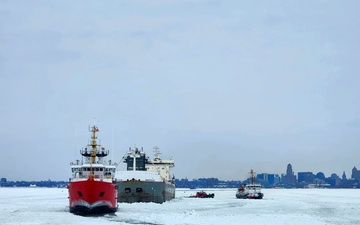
156, 152
93, 143
134, 159
252, 176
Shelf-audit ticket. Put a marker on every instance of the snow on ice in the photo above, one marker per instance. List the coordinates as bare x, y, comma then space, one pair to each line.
32, 206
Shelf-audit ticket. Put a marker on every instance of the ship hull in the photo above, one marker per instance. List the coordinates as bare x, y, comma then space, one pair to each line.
92, 196
242, 195
145, 191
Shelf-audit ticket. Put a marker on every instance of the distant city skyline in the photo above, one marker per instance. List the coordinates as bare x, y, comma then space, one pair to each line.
222, 87
288, 176
267, 180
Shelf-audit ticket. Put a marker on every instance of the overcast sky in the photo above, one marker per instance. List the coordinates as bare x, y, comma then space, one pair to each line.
222, 87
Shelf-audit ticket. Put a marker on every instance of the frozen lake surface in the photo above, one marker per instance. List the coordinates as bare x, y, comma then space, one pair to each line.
279, 206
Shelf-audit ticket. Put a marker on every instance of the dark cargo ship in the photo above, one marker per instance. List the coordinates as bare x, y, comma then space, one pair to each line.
145, 180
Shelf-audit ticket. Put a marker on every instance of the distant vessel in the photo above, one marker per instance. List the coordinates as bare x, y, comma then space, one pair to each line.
145, 180
250, 191
202, 194
92, 187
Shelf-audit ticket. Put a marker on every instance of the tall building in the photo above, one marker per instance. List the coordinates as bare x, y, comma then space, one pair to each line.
320, 175
262, 176
307, 177
274, 178
289, 178
344, 176
334, 180
355, 173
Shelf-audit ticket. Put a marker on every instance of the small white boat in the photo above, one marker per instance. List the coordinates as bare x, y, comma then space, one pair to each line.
250, 191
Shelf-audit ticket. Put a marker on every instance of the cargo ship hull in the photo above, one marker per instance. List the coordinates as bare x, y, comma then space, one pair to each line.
145, 191
92, 196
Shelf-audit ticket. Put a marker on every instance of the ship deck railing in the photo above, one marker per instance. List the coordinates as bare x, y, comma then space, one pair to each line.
95, 176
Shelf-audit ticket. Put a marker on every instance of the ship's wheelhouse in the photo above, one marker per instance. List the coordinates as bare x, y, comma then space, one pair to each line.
99, 171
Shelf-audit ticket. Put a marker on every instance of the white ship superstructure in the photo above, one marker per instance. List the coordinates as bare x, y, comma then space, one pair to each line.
250, 191
160, 166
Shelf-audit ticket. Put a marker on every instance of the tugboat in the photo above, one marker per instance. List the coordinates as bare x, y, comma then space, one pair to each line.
202, 194
250, 191
92, 187
145, 180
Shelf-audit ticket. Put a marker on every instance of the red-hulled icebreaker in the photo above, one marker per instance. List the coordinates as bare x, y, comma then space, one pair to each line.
92, 187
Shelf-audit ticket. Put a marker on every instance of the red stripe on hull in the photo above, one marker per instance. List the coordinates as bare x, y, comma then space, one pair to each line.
92, 196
